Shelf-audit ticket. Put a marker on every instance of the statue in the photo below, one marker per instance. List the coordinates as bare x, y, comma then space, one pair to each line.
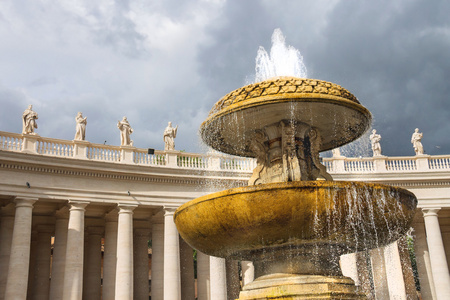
375, 140
416, 139
125, 132
29, 120
170, 134
80, 133
336, 152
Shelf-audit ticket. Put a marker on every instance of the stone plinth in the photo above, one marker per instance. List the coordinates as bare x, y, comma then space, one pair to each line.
299, 287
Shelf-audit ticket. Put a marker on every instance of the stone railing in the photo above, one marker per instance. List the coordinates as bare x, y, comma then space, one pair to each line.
176, 159
122, 154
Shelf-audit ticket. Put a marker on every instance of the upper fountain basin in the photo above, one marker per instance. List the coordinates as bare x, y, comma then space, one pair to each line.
346, 215
333, 110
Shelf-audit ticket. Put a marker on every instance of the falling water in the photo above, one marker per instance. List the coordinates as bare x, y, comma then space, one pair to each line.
282, 61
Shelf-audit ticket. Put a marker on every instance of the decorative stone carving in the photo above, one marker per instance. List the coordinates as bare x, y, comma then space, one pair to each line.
416, 140
170, 133
375, 140
29, 118
336, 152
80, 133
287, 152
125, 132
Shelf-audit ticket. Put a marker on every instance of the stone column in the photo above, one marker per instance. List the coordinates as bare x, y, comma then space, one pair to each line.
172, 280
203, 279
31, 265
423, 261
248, 272
73, 272
6, 233
157, 258
218, 278
187, 271
233, 284
124, 266
16, 283
92, 276
109, 256
59, 254
41, 282
140, 241
381, 288
438, 258
394, 273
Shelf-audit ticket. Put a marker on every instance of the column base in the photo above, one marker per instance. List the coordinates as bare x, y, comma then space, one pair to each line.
299, 287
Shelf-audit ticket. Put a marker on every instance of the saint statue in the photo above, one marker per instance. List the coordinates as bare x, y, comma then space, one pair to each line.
416, 140
125, 132
80, 133
29, 120
336, 152
170, 134
375, 140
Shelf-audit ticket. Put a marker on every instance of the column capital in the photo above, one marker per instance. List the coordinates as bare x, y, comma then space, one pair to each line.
62, 213
25, 201
430, 211
77, 205
125, 208
169, 211
8, 210
111, 216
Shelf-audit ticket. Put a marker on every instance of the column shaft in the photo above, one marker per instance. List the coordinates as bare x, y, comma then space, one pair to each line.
233, 283
438, 258
16, 284
59, 258
380, 284
109, 257
41, 282
172, 280
141, 286
218, 278
157, 284
203, 277
124, 267
73, 273
92, 277
6, 228
187, 271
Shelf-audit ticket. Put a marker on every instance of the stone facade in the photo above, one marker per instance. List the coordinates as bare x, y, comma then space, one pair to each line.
101, 205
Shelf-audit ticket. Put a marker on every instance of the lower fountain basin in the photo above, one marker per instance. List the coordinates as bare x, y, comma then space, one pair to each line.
257, 222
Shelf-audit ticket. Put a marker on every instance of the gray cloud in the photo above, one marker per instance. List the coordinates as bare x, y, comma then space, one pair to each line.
160, 61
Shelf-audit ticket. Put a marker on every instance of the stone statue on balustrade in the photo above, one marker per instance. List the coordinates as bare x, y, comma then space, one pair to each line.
416, 140
336, 152
29, 118
375, 140
170, 133
125, 132
80, 133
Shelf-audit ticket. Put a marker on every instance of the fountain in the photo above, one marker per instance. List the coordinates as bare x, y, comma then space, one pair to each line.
293, 221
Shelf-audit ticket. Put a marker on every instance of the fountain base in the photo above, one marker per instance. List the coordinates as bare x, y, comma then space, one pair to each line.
296, 287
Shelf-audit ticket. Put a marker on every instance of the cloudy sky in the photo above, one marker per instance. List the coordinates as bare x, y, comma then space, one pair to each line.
156, 61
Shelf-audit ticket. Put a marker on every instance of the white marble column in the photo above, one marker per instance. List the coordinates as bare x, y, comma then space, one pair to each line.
187, 271
218, 277
394, 274
203, 277
172, 280
157, 258
59, 254
73, 272
438, 258
109, 256
31, 265
248, 272
92, 276
381, 288
6, 233
41, 282
423, 261
124, 266
233, 283
16, 283
140, 241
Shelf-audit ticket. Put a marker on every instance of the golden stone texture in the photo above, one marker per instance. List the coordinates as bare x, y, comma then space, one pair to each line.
333, 110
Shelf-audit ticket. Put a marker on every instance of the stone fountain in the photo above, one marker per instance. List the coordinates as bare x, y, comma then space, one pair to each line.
293, 221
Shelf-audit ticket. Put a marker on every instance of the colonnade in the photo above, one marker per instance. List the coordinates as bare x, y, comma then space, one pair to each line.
76, 267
